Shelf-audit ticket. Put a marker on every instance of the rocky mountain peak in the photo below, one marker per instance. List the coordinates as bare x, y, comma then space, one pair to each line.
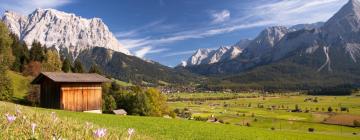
345, 21
62, 30
270, 35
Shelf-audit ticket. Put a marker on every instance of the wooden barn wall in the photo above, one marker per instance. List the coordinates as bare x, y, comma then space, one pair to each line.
49, 94
81, 96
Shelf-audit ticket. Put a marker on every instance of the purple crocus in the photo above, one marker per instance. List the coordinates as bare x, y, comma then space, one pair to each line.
33, 126
99, 133
53, 116
131, 131
10, 118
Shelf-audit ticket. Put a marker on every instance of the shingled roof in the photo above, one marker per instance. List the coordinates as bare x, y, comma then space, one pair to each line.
61, 77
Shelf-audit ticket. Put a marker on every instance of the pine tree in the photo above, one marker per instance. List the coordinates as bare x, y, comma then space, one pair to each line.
20, 52
78, 67
37, 53
16, 50
6, 60
52, 61
95, 69
66, 66
109, 104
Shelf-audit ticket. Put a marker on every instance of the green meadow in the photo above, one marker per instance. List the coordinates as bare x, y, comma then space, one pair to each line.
274, 112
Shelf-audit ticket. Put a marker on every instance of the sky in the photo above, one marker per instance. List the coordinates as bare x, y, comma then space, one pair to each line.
169, 31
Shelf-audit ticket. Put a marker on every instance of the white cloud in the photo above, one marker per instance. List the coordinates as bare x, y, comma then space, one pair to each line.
148, 50
27, 6
291, 12
134, 43
137, 31
179, 53
143, 51
201, 33
221, 16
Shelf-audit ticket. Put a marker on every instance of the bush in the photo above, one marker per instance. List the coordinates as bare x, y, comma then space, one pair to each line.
221, 121
311, 129
297, 109
272, 128
6, 89
330, 109
198, 118
343, 109
356, 123
172, 114
109, 104
184, 113
33, 96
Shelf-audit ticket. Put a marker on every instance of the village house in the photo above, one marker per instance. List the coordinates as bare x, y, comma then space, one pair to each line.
70, 91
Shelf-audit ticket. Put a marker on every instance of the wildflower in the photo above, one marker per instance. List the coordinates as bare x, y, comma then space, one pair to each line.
130, 132
10, 118
99, 133
88, 125
18, 111
53, 116
33, 126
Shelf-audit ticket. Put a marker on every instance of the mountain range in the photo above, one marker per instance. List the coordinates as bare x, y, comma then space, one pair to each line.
265, 39
327, 54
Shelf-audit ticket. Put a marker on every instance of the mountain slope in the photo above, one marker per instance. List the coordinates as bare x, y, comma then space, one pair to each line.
66, 32
133, 69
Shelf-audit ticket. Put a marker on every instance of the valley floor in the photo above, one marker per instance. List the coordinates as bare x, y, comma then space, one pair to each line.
274, 112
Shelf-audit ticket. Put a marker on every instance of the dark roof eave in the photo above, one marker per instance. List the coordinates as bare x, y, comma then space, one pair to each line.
97, 79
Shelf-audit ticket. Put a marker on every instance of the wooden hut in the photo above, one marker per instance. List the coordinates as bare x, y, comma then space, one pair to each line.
70, 91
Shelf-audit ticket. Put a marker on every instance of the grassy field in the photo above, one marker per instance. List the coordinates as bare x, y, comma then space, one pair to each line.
152, 128
273, 112
20, 84
230, 109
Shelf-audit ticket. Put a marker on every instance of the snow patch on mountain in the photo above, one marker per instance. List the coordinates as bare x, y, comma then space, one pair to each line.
328, 61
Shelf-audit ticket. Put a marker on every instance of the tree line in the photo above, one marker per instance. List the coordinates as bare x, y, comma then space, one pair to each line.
42, 58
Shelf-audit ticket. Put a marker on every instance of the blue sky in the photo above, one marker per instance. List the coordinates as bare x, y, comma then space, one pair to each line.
168, 31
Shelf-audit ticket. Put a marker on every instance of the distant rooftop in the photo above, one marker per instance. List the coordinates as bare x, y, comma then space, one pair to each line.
61, 77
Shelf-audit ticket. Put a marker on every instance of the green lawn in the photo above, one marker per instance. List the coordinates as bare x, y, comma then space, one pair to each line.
20, 84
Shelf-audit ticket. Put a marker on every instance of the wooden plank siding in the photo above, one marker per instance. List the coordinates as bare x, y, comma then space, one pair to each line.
50, 94
81, 96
